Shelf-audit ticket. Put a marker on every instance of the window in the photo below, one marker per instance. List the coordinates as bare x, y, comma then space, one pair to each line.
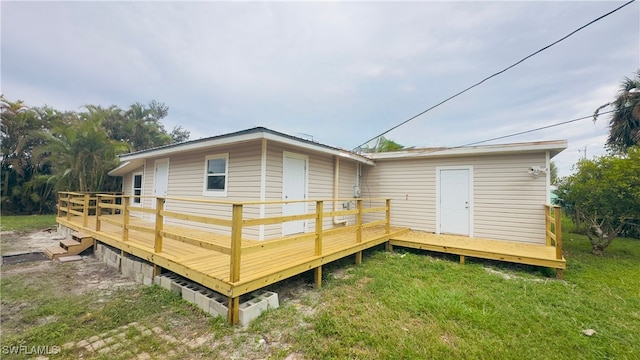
137, 189
216, 169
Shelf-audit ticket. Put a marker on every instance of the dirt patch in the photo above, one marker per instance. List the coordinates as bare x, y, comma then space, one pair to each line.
76, 277
16, 243
23, 258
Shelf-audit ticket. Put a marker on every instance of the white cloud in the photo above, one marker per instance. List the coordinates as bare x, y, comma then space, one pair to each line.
340, 71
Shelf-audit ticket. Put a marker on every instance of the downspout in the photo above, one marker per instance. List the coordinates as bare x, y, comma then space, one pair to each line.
336, 191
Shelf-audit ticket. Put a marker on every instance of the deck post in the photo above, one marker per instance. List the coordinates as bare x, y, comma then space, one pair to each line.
157, 270
68, 206
317, 275
557, 213
319, 220
236, 244
98, 212
359, 258
388, 217
59, 205
85, 211
233, 314
461, 259
159, 222
359, 221
125, 220
547, 216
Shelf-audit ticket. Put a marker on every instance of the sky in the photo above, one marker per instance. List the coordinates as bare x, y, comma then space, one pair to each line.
339, 73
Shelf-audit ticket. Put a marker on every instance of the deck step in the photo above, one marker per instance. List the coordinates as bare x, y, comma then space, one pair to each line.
79, 236
68, 243
55, 252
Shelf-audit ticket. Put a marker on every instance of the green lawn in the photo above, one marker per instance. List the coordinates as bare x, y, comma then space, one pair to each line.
400, 305
27, 222
409, 305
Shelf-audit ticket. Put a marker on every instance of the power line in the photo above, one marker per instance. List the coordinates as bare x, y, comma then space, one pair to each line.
524, 132
499, 72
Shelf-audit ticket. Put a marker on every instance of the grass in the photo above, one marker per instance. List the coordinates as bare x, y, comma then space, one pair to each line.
402, 305
27, 222
39, 310
411, 305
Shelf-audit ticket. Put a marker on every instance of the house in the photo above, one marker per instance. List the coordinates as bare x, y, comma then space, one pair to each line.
493, 192
480, 191
236, 212
257, 164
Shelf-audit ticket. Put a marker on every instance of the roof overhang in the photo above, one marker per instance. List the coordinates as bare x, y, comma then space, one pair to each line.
554, 147
126, 167
241, 137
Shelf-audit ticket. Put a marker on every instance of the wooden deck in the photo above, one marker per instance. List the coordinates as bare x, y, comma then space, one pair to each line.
516, 252
234, 265
262, 262
228, 264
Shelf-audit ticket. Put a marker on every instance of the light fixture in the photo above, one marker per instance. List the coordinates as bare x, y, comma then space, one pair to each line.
535, 171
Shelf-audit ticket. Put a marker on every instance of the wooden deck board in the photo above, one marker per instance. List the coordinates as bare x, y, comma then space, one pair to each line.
257, 268
511, 251
278, 261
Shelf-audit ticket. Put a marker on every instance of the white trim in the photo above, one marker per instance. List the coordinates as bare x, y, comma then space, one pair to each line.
133, 188
547, 165
216, 193
234, 139
155, 172
305, 158
471, 202
263, 185
554, 147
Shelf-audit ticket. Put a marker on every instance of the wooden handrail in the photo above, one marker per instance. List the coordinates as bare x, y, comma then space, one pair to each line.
553, 228
235, 249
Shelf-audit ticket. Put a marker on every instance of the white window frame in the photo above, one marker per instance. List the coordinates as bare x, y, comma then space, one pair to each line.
217, 193
133, 188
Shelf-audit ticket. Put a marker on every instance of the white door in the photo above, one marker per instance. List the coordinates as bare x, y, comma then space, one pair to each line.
294, 185
161, 178
455, 201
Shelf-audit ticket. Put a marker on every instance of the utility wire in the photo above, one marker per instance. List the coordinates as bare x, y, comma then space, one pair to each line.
522, 132
498, 73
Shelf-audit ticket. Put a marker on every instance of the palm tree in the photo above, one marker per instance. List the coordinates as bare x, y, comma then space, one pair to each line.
81, 155
624, 126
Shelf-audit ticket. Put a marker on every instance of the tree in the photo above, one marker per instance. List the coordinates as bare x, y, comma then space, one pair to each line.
25, 187
604, 194
624, 125
43, 149
553, 173
383, 145
81, 154
179, 134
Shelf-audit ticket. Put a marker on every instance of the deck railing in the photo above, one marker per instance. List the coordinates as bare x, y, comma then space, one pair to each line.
553, 216
235, 220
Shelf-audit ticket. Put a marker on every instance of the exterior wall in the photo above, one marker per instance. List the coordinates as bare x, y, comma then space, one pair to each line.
187, 174
320, 183
508, 201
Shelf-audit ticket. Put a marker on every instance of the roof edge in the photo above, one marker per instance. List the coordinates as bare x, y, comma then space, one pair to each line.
554, 147
244, 136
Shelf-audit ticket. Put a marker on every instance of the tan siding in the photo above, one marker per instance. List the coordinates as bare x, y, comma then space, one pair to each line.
186, 179
508, 201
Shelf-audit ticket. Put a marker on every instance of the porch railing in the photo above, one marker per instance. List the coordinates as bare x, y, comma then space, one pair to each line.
553, 220
366, 213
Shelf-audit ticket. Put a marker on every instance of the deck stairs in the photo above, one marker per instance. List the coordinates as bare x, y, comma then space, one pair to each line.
78, 243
